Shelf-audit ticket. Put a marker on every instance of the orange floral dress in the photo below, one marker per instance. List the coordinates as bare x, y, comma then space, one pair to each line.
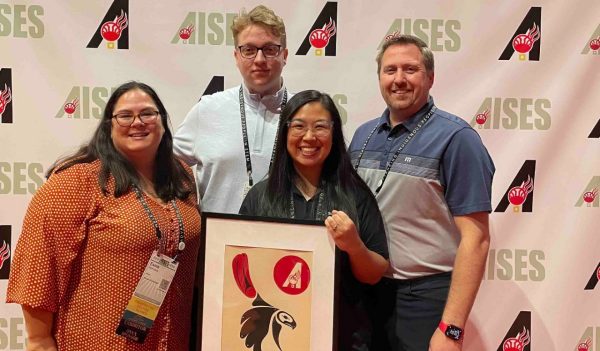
81, 255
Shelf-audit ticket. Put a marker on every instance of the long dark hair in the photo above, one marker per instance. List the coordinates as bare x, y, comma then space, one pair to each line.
171, 180
338, 175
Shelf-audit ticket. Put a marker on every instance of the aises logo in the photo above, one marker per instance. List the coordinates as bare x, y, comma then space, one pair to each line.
516, 264
5, 241
520, 192
526, 39
114, 27
589, 196
593, 43
438, 34
14, 18
591, 284
205, 28
513, 113
84, 102
322, 34
586, 341
518, 337
6, 110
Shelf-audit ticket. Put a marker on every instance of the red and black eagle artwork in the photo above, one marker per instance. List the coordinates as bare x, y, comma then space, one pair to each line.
257, 321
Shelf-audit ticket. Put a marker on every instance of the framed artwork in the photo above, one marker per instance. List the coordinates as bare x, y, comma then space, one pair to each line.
265, 284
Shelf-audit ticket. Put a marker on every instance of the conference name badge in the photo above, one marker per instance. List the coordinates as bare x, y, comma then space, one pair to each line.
143, 307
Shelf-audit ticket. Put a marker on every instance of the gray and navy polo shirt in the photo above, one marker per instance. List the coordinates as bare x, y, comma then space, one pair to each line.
444, 171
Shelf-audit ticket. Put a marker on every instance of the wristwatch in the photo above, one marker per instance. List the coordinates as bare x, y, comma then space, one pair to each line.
451, 331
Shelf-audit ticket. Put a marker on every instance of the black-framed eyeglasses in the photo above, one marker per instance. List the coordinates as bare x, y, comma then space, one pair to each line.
250, 51
125, 119
320, 129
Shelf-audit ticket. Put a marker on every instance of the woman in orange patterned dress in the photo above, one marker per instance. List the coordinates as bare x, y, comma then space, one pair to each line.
91, 229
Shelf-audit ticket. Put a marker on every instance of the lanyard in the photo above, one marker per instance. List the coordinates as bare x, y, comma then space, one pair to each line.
181, 244
245, 134
320, 203
397, 153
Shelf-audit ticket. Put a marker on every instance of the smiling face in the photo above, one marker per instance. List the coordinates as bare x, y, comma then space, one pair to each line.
309, 151
140, 140
261, 75
403, 80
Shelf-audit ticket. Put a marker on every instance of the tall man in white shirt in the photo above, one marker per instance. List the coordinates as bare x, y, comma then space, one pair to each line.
230, 135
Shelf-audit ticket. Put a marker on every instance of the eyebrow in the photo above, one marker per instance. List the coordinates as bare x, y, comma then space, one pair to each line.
143, 109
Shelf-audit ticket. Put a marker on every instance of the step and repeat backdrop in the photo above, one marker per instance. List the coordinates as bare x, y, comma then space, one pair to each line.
525, 75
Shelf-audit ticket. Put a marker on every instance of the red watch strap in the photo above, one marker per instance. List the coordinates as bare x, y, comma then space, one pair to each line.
443, 326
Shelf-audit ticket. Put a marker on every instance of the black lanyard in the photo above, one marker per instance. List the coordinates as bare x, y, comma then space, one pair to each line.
402, 146
320, 203
245, 134
162, 243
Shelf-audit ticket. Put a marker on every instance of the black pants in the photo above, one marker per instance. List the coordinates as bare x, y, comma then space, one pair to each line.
405, 313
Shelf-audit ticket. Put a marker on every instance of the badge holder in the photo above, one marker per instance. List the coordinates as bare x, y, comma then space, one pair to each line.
143, 307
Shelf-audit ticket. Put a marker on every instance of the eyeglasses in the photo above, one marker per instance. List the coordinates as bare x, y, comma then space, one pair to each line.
125, 119
320, 129
250, 51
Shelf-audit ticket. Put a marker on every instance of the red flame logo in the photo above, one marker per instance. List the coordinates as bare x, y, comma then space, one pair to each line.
523, 43
5, 98
4, 253
392, 35
186, 32
518, 194
70, 107
585, 346
595, 44
111, 30
319, 38
517, 343
598, 273
482, 117
590, 196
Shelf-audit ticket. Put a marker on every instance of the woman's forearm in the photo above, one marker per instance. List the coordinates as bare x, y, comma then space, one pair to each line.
38, 324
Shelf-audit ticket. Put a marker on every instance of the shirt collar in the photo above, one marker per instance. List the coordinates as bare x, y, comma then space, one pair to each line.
272, 102
409, 124
299, 194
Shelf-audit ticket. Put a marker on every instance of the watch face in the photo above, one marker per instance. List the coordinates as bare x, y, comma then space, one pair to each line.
453, 332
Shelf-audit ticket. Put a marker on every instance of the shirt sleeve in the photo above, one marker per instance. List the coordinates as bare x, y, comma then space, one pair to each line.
53, 233
184, 140
467, 171
372, 230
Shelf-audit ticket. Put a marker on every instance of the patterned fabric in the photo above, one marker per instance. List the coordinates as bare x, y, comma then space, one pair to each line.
81, 255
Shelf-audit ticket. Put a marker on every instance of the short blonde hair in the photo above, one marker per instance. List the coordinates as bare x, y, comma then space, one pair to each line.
262, 16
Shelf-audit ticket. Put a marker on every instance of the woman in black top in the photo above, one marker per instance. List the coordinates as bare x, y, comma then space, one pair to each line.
312, 178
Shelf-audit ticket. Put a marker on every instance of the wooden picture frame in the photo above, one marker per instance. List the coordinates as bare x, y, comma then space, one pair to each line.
265, 283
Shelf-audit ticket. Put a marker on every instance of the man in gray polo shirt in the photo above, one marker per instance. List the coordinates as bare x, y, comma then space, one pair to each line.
432, 178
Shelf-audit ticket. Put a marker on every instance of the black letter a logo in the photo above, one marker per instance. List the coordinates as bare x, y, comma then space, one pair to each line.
114, 27
217, 84
6, 96
526, 38
520, 191
596, 131
322, 34
519, 334
594, 279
